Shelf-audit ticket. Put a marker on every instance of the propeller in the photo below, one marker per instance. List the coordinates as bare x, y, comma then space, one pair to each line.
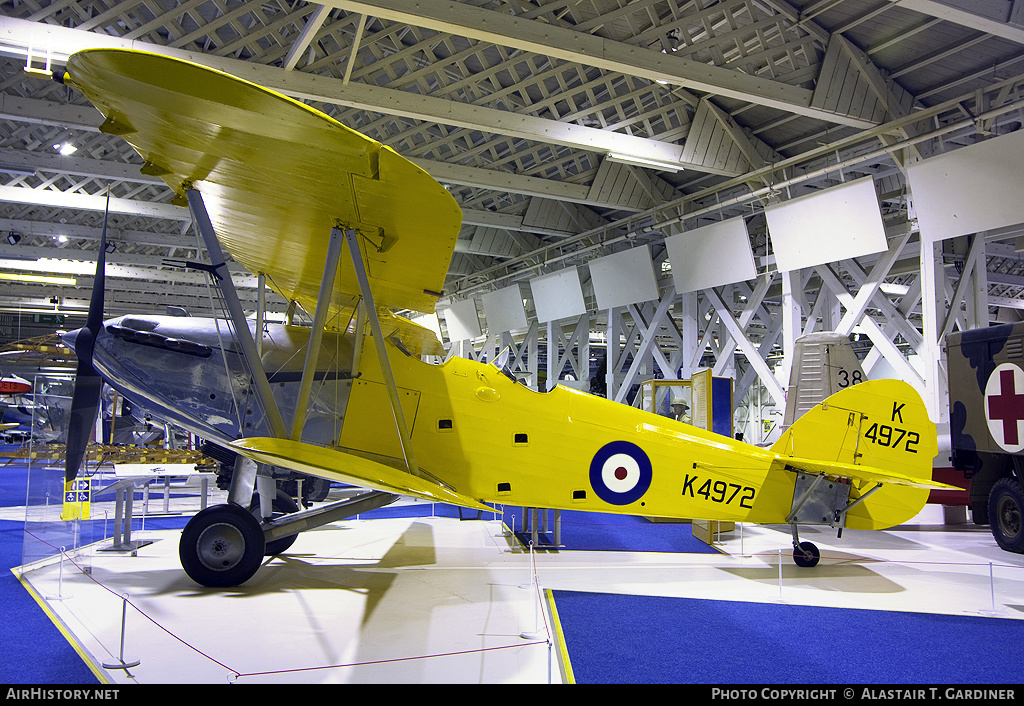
85, 400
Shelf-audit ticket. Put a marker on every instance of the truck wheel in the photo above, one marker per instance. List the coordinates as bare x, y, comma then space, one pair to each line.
1005, 507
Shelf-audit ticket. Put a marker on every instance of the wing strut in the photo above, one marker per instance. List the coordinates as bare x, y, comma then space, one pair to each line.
370, 311
323, 303
202, 221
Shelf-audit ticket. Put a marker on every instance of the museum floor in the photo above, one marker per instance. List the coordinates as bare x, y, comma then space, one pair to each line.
435, 599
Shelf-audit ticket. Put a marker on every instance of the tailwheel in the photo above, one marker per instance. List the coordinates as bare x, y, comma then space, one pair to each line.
806, 554
221, 546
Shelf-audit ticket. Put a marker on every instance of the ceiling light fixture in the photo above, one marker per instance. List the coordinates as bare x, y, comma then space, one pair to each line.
644, 162
41, 279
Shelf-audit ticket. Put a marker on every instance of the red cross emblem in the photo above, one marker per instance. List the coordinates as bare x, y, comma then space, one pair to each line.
1004, 406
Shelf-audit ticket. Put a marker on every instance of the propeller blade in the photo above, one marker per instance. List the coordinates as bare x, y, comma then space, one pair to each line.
85, 401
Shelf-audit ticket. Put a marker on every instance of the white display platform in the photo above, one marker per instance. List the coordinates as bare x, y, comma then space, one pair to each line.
431, 599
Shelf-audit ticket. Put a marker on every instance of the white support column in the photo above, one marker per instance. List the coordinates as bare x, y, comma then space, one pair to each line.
688, 331
583, 350
932, 311
611, 355
553, 357
792, 321
979, 301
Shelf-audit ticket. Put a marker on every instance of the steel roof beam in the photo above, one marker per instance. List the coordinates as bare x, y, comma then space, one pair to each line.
996, 17
591, 50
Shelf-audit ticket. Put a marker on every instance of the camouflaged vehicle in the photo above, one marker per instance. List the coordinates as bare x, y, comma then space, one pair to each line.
986, 424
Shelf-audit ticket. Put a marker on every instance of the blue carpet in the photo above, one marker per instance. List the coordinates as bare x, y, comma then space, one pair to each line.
13, 483
36, 652
593, 531
633, 639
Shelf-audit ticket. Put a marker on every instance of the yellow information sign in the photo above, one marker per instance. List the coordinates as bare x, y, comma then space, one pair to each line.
77, 496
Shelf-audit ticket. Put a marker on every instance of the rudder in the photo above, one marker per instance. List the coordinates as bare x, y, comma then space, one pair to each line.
878, 424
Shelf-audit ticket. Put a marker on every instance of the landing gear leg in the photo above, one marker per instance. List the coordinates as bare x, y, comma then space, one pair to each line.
223, 545
805, 554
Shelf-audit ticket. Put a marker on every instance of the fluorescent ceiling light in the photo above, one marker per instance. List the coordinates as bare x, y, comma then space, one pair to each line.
644, 162
899, 290
42, 279
51, 266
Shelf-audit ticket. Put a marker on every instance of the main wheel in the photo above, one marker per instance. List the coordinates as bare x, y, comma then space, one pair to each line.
221, 546
1005, 503
283, 505
806, 555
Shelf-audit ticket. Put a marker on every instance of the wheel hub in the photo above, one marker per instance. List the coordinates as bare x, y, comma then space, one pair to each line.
1009, 517
220, 546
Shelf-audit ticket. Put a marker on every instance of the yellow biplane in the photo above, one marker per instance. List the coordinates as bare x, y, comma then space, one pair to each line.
350, 230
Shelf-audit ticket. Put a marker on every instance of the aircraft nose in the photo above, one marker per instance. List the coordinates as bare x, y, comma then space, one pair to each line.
69, 338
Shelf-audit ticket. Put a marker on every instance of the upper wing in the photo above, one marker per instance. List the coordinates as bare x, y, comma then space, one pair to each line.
276, 176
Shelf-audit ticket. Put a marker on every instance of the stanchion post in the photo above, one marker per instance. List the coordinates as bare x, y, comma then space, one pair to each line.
536, 616
992, 586
780, 574
121, 662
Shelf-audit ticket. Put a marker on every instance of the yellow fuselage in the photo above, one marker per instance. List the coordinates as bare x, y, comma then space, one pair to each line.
496, 440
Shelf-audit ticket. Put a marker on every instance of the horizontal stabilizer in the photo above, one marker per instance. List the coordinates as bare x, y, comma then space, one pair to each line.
344, 467
858, 473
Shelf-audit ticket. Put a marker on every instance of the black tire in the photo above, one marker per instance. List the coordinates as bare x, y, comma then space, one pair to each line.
221, 546
283, 504
1005, 507
806, 555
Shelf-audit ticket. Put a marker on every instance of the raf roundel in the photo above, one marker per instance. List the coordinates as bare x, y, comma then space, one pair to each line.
620, 473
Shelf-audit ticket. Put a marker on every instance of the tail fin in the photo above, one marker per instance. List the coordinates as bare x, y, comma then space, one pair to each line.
874, 433
823, 363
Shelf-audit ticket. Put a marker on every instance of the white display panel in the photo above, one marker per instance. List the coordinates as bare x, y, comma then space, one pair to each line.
558, 295
624, 278
836, 224
462, 321
429, 321
504, 310
711, 256
969, 190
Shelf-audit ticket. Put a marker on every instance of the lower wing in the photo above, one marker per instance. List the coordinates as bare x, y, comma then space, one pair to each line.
338, 465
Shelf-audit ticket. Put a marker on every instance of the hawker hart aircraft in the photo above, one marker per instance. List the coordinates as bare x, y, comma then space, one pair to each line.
351, 231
